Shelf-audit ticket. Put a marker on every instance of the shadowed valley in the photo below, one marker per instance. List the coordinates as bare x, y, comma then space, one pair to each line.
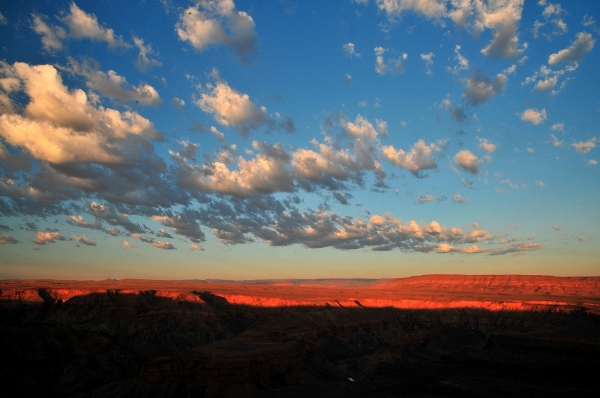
436, 335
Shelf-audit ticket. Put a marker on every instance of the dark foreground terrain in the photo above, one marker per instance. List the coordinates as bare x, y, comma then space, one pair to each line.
144, 344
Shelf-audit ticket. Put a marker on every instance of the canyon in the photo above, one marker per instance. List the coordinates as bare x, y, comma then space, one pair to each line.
430, 335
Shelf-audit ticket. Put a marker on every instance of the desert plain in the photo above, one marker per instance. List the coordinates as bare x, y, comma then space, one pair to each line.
431, 335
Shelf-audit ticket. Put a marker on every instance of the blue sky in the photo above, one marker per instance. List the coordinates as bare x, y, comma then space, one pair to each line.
298, 139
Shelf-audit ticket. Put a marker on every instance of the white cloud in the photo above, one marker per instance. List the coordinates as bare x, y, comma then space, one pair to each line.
575, 52
231, 108
429, 8
480, 88
111, 85
556, 141
162, 245
217, 22
194, 246
84, 239
585, 146
446, 248
503, 18
418, 159
534, 116
51, 35
428, 58
85, 26
487, 146
558, 127
592, 162
383, 67
3, 20
144, 60
61, 125
41, 238
127, 245
349, 50
468, 161
540, 183
457, 198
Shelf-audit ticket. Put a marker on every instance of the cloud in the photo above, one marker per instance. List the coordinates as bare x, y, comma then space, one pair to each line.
457, 198
575, 52
61, 125
231, 108
502, 17
349, 50
111, 85
487, 146
467, 184
52, 36
127, 245
557, 228
383, 67
218, 22
113, 217
162, 245
422, 199
446, 248
428, 58
534, 116
79, 222
85, 26
3, 20
556, 141
558, 127
418, 159
540, 183
457, 112
585, 146
182, 224
519, 247
6, 239
592, 162
84, 239
41, 238
429, 8
144, 60
480, 88
468, 161
196, 247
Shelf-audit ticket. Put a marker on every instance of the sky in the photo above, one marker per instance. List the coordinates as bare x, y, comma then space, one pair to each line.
220, 139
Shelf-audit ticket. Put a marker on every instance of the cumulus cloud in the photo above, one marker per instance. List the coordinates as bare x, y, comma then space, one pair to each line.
162, 245
428, 8
468, 161
418, 159
6, 239
575, 52
534, 116
556, 141
194, 246
52, 36
85, 26
487, 146
446, 248
111, 85
84, 239
144, 60
428, 58
231, 108
457, 112
80, 222
502, 17
383, 67
592, 162
218, 22
480, 88
585, 146
41, 238
182, 224
61, 125
349, 50
457, 198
